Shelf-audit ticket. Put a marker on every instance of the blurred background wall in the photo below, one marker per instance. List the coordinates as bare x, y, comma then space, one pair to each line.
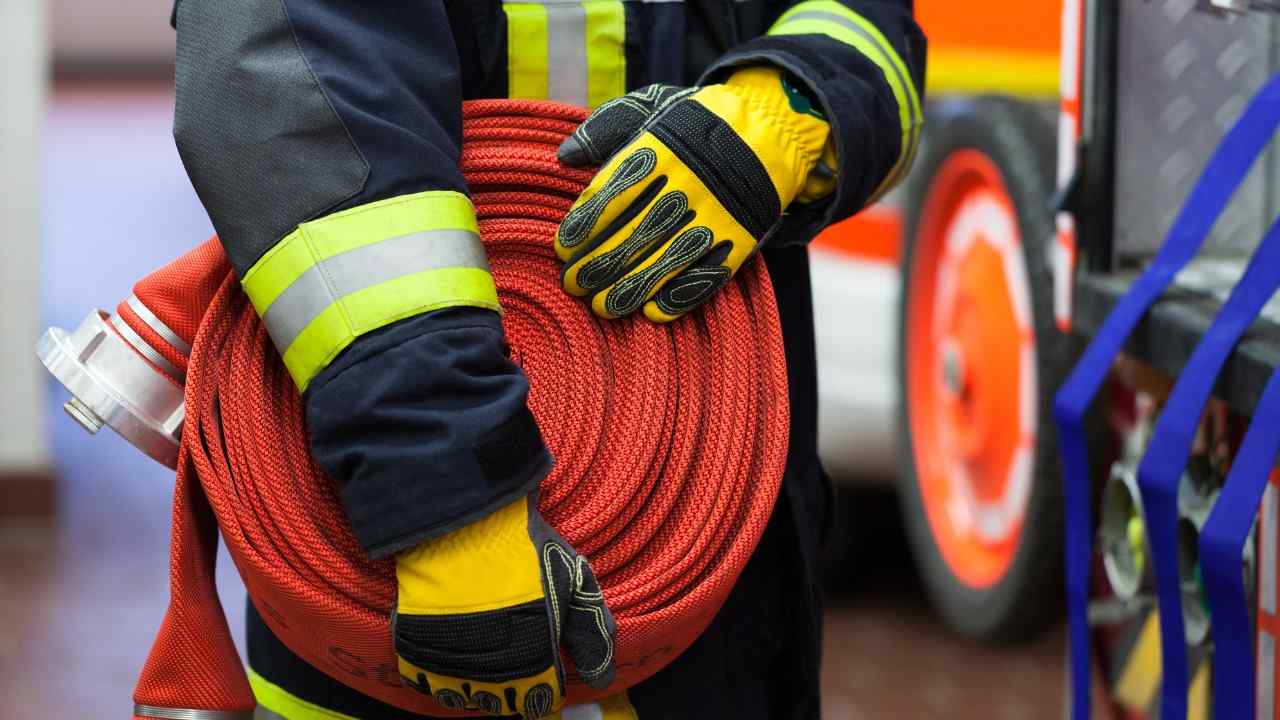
40, 39
109, 36
24, 455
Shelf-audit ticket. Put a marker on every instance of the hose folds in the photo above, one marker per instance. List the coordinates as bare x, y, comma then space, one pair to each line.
668, 461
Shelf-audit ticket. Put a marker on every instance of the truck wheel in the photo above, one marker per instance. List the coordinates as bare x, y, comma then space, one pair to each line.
979, 359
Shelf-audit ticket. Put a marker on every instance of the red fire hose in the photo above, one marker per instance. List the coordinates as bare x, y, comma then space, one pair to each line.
669, 443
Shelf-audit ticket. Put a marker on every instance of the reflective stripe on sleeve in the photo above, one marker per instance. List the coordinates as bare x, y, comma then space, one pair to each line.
572, 51
341, 276
833, 19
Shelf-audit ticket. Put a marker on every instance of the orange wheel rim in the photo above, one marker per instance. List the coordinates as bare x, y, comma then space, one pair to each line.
971, 369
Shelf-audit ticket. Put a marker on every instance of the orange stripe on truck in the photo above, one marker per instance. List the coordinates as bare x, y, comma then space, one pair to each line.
874, 235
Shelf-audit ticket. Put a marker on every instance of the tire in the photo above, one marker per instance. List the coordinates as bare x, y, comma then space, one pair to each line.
980, 484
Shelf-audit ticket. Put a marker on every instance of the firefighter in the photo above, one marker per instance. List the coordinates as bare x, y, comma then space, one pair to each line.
323, 139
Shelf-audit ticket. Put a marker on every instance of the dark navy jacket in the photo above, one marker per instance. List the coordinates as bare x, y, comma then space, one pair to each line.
407, 420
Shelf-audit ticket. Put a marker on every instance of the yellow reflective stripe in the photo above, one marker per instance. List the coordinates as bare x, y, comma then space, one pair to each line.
606, 57
283, 703
614, 707
618, 707
833, 19
568, 50
347, 230
339, 277
527, 43
353, 315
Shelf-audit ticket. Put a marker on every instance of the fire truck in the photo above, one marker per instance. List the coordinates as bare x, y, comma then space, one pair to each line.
1167, 190
942, 380
1086, 345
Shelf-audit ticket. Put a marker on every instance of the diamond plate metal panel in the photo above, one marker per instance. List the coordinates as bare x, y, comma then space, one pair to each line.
1185, 75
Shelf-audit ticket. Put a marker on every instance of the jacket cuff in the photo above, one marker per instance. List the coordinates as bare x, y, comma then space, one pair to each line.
866, 68
424, 426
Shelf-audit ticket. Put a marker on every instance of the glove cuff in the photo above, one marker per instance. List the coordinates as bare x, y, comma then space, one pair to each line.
800, 130
486, 565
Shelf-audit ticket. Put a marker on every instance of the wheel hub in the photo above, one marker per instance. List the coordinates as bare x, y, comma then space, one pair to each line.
971, 378
953, 369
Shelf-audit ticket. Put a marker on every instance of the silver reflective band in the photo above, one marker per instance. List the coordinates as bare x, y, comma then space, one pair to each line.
140, 344
265, 714
566, 49
567, 54
158, 325
904, 82
335, 277
149, 711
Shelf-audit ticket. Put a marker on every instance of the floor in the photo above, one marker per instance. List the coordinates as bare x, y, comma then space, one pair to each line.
80, 599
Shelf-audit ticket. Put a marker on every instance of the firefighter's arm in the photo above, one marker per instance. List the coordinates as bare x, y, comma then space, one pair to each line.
323, 139
863, 63
784, 135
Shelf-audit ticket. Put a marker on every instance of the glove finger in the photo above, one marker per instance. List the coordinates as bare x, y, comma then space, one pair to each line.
596, 267
641, 283
557, 561
613, 124
590, 632
610, 200
691, 288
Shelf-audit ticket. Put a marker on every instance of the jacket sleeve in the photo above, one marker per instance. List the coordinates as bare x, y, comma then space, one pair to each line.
864, 61
323, 138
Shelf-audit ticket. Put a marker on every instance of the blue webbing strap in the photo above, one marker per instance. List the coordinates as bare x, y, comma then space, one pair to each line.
1222, 542
1224, 172
1166, 457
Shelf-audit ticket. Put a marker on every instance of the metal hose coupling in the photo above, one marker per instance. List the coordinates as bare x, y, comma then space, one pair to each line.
1122, 530
1122, 535
128, 370
117, 383
1197, 493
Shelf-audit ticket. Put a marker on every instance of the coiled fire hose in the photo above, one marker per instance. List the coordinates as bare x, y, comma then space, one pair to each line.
669, 441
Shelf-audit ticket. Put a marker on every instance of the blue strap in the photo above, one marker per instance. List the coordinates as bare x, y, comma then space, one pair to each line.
1224, 173
1221, 548
1166, 457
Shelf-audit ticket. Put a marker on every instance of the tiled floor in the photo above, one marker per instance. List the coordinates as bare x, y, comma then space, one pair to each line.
80, 600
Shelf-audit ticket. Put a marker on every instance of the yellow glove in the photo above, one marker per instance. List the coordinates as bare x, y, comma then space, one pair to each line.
697, 179
483, 611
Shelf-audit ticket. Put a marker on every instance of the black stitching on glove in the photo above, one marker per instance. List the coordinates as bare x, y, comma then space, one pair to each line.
577, 225
664, 219
632, 291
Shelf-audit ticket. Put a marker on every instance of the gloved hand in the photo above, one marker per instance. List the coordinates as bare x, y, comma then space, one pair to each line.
483, 611
696, 180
